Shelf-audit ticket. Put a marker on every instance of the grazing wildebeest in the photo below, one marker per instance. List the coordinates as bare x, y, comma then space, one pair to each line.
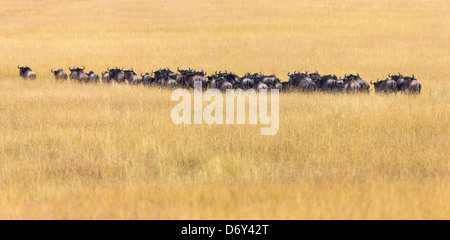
117, 75
105, 77
78, 74
26, 73
385, 86
329, 83
59, 74
302, 82
93, 77
411, 85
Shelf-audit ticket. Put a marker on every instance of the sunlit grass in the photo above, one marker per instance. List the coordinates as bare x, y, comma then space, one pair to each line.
111, 151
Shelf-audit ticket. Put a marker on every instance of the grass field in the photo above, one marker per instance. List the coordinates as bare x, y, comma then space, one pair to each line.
71, 151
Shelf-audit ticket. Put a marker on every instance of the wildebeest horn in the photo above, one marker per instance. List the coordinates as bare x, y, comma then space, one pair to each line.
371, 82
18, 66
108, 69
84, 68
51, 70
389, 75
413, 76
142, 75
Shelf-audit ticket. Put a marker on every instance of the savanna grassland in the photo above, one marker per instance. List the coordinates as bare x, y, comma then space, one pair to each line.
72, 151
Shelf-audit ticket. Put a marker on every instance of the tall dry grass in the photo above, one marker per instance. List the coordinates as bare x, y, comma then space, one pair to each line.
70, 151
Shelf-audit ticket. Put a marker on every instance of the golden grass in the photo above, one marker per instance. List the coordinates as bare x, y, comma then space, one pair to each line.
71, 151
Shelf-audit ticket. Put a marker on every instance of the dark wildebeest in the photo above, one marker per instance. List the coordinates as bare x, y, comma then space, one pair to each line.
302, 82
329, 83
226, 80
78, 74
26, 73
93, 77
277, 84
315, 77
105, 77
248, 80
146, 79
166, 78
349, 86
132, 77
268, 80
385, 86
59, 74
411, 85
117, 75
191, 77
363, 85
285, 86
399, 79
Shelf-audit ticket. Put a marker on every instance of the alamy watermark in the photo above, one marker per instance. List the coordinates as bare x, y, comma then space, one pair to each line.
213, 113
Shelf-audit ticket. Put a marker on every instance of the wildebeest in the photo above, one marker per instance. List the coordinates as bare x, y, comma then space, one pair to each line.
385, 86
329, 83
26, 73
105, 77
407, 84
399, 79
59, 74
411, 85
78, 74
363, 85
117, 75
224, 80
302, 82
247, 82
165, 78
146, 79
132, 77
192, 76
93, 77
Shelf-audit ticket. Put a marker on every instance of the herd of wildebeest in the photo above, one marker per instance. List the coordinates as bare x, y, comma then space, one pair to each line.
307, 82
